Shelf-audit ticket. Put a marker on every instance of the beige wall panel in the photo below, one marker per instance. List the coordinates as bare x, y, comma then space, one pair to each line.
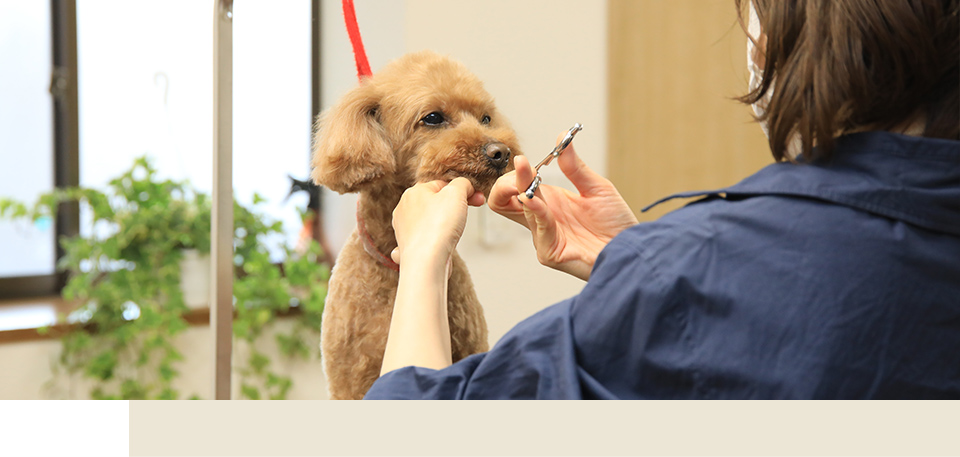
674, 66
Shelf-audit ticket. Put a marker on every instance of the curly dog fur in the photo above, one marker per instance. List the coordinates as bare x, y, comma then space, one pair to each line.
379, 139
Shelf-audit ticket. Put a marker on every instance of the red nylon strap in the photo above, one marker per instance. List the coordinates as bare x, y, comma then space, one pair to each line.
359, 55
372, 248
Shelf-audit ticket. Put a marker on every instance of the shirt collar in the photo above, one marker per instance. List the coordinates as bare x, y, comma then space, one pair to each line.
912, 179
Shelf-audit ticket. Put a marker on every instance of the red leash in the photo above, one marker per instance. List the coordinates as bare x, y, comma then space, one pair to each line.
359, 55
363, 71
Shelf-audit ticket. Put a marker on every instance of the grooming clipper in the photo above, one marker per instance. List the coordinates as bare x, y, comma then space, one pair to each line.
567, 139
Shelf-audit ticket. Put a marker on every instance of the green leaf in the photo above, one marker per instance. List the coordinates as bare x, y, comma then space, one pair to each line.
258, 361
177, 325
241, 329
250, 392
140, 223
167, 373
132, 390
102, 366
168, 394
263, 316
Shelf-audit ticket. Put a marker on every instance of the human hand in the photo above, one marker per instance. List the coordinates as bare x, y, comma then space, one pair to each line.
430, 218
569, 230
428, 223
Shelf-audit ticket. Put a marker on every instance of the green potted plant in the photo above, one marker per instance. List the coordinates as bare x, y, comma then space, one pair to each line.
126, 274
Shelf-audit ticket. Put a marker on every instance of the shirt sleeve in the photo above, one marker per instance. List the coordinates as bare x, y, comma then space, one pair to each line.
539, 358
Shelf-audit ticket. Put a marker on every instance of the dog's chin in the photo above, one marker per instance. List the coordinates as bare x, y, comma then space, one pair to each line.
484, 186
482, 182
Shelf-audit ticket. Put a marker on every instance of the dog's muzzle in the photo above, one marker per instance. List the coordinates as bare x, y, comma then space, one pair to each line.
498, 155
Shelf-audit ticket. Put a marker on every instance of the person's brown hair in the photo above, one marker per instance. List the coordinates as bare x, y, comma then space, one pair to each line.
841, 66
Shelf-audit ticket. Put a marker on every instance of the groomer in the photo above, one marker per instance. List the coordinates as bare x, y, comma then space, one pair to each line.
833, 273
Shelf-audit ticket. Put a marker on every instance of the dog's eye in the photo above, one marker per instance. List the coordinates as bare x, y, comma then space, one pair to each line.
434, 118
485, 120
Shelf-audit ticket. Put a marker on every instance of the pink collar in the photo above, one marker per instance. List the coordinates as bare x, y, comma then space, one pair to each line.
371, 248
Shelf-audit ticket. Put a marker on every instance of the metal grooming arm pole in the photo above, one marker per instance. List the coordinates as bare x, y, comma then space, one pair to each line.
221, 246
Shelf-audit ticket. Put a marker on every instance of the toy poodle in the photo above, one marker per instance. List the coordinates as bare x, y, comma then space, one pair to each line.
423, 117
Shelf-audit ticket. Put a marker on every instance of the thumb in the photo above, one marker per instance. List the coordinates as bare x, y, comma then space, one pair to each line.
503, 198
576, 170
540, 220
525, 174
461, 186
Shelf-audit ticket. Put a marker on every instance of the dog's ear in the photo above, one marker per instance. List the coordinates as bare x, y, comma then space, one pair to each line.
350, 147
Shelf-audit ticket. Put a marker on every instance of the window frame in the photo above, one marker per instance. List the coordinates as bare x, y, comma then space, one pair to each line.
66, 148
64, 91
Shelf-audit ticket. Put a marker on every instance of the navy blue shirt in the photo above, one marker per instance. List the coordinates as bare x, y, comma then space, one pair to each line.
838, 279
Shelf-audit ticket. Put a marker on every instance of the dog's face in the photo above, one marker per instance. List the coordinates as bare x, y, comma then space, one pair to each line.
421, 118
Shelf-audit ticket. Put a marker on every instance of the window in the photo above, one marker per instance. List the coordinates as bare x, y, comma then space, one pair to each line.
151, 93
26, 133
37, 136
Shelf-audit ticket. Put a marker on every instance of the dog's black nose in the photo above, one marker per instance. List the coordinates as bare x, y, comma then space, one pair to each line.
498, 154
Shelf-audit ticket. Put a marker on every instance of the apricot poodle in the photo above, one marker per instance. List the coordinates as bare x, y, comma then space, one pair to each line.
423, 117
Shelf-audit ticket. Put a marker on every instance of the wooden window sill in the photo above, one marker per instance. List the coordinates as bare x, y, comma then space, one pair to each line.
194, 317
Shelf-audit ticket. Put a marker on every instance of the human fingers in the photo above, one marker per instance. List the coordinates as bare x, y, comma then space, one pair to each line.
576, 170
525, 174
504, 191
432, 186
503, 198
420, 202
430, 217
461, 187
477, 199
542, 224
